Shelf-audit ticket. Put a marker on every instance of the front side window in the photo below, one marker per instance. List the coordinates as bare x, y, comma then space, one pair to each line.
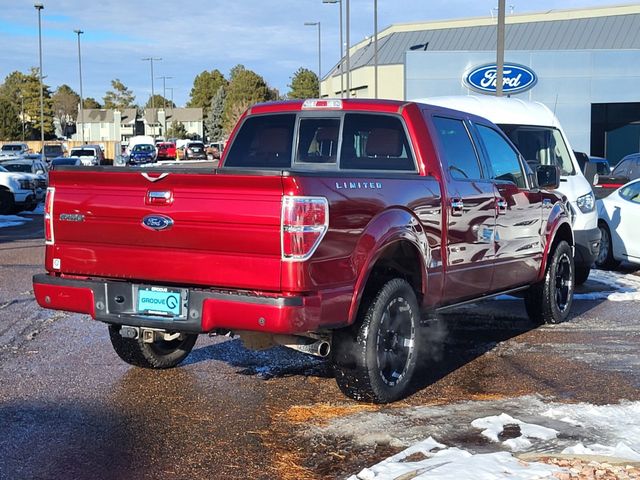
318, 140
504, 160
542, 145
458, 150
375, 142
263, 142
631, 192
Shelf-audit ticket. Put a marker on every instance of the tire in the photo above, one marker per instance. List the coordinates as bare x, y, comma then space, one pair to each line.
582, 273
375, 358
157, 355
605, 259
549, 301
7, 203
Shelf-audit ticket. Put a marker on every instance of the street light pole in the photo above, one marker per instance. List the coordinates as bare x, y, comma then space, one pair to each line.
313, 24
22, 113
348, 21
39, 7
339, 2
500, 49
164, 102
151, 59
80, 32
375, 46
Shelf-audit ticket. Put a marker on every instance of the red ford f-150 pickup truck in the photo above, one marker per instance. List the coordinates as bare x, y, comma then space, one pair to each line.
330, 226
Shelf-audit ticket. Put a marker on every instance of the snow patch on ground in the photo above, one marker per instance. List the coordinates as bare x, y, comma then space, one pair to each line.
451, 463
481, 436
495, 425
12, 221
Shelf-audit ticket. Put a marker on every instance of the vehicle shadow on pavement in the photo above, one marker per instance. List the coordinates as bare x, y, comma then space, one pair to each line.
274, 362
65, 440
454, 339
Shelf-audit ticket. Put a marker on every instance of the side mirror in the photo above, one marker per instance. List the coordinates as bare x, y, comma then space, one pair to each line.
39, 172
548, 177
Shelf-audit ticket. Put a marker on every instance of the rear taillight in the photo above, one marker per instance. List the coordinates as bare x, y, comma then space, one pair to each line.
48, 216
305, 221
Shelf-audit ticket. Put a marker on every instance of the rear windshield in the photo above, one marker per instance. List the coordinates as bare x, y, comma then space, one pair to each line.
541, 145
53, 150
83, 152
195, 145
352, 141
63, 161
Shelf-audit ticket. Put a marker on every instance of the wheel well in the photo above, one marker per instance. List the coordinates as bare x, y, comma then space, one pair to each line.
399, 260
563, 233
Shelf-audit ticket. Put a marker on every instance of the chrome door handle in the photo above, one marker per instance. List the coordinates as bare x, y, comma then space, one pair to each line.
457, 206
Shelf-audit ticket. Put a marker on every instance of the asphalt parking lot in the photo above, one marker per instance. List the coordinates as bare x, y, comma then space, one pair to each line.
72, 409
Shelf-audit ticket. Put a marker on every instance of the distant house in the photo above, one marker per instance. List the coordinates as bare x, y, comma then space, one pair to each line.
106, 125
191, 118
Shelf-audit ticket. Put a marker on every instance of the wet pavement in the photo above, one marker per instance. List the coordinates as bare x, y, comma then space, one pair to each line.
70, 408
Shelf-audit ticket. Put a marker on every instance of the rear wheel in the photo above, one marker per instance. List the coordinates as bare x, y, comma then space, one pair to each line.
549, 301
375, 358
157, 355
605, 258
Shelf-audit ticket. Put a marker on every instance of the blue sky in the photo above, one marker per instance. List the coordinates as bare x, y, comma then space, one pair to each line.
267, 36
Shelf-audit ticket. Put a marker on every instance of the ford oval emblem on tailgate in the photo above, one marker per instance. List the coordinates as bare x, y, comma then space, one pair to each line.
157, 222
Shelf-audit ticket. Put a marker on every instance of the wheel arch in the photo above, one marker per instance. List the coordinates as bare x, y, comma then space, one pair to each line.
400, 250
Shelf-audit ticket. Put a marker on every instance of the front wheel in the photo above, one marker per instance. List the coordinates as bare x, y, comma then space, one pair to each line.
7, 203
375, 358
157, 355
549, 301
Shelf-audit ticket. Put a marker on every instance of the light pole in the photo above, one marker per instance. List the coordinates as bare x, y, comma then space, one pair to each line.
339, 2
171, 90
348, 21
80, 32
39, 7
375, 47
22, 113
153, 107
164, 102
500, 49
313, 24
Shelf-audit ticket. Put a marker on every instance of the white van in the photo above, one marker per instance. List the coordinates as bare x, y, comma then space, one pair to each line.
537, 133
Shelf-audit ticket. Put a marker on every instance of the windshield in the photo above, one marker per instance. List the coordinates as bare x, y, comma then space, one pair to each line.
12, 148
542, 145
143, 148
18, 167
2, 169
63, 161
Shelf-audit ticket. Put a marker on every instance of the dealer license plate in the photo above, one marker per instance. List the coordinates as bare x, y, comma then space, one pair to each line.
161, 301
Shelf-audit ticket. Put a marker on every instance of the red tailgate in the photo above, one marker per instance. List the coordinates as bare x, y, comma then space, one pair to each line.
225, 230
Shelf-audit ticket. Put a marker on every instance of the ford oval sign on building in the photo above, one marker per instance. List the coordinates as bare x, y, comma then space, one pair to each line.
517, 78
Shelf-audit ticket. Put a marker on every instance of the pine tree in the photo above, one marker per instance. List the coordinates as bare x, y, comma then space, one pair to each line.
176, 130
159, 101
91, 102
304, 84
215, 119
10, 125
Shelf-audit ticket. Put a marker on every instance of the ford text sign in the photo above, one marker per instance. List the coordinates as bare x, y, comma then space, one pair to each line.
517, 78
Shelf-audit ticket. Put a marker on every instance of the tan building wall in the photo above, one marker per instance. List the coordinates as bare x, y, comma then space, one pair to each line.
390, 83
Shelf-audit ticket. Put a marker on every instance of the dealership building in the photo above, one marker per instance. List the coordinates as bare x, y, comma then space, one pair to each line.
583, 64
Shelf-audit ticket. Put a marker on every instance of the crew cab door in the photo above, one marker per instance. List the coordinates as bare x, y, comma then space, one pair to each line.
518, 237
470, 211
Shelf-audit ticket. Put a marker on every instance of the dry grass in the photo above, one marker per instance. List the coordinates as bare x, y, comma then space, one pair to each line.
322, 412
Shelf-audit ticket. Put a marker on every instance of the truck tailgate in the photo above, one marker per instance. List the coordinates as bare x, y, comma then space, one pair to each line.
225, 228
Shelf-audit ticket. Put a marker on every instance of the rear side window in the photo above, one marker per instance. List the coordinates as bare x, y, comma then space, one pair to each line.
318, 140
460, 155
263, 142
375, 142
504, 159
